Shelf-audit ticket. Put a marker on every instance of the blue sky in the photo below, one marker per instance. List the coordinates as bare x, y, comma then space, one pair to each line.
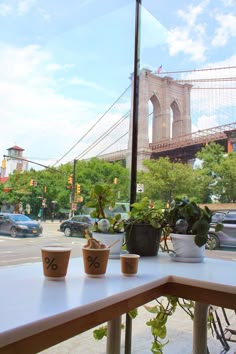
63, 64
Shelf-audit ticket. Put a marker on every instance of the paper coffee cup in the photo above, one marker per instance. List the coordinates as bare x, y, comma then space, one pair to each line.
129, 264
55, 261
95, 261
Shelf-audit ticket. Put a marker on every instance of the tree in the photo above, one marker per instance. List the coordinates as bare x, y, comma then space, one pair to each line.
52, 185
221, 169
97, 171
212, 154
226, 182
166, 180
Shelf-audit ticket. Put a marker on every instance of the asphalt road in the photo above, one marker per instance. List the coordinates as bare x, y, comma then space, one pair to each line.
27, 250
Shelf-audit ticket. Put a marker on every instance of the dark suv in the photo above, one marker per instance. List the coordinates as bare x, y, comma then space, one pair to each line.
19, 225
76, 225
227, 236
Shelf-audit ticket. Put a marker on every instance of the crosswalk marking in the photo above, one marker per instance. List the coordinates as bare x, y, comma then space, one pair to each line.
2, 239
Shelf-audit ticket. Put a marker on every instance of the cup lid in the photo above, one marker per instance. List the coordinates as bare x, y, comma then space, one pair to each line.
55, 248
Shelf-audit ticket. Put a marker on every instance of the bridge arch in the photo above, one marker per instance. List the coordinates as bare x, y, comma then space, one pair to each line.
165, 94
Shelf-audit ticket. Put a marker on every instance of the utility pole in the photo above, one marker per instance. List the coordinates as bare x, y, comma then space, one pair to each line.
134, 148
73, 182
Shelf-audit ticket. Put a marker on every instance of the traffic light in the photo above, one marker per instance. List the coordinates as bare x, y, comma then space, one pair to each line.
78, 188
4, 163
45, 189
115, 180
70, 179
31, 182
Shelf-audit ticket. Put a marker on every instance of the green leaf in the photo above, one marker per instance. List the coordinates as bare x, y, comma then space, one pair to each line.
133, 313
100, 332
151, 309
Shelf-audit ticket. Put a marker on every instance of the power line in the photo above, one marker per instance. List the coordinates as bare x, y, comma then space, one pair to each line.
223, 79
98, 140
36, 163
112, 144
92, 126
117, 140
195, 70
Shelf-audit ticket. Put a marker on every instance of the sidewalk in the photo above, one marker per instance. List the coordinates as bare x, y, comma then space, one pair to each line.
179, 334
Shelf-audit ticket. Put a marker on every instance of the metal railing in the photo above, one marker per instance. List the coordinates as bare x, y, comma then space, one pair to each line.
199, 137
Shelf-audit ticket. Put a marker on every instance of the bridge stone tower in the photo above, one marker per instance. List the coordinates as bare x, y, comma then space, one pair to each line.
170, 101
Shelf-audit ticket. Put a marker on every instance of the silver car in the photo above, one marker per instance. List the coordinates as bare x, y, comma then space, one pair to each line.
227, 236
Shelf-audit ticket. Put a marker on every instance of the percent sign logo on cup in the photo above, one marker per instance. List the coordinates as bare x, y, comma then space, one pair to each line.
92, 262
95, 260
55, 261
50, 263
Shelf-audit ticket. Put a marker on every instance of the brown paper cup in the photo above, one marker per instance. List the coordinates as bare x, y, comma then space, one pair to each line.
129, 264
95, 261
55, 261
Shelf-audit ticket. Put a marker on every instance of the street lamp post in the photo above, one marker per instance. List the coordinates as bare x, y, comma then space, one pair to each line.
134, 144
54, 202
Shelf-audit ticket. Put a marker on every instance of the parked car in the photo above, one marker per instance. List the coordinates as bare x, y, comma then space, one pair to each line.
227, 236
76, 225
19, 225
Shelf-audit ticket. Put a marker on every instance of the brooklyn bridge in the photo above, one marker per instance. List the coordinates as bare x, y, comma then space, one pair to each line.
174, 108
184, 148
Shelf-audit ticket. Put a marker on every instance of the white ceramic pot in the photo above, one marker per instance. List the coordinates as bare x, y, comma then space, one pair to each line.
108, 239
186, 249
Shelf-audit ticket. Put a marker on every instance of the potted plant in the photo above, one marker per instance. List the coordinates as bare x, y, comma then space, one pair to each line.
144, 227
189, 225
108, 228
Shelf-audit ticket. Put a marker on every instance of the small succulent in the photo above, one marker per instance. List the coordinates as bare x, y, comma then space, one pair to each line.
102, 196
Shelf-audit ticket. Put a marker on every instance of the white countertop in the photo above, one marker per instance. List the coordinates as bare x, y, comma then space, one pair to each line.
29, 303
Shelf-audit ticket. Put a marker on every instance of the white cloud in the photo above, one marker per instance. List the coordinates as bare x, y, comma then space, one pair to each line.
21, 63
226, 29
180, 41
192, 12
24, 6
37, 116
19, 7
205, 122
30, 103
5, 9
189, 39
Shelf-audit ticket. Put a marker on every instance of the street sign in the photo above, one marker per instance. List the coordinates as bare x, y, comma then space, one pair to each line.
20, 207
27, 208
78, 199
140, 188
73, 206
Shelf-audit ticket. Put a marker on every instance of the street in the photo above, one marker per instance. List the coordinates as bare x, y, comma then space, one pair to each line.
27, 250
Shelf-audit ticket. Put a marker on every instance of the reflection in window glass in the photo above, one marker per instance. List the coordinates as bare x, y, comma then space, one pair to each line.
62, 67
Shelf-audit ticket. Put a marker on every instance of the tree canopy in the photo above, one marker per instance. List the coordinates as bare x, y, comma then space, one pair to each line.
163, 181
